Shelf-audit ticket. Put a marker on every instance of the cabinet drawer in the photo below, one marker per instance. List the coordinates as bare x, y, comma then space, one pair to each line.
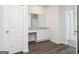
42, 35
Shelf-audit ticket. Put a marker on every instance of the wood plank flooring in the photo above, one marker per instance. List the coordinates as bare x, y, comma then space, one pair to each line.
48, 47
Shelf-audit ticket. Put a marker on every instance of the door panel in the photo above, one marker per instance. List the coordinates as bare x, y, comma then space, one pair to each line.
14, 28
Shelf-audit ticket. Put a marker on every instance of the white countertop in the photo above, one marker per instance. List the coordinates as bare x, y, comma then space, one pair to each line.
36, 29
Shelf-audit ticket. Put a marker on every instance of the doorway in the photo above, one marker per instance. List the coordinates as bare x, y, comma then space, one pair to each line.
71, 27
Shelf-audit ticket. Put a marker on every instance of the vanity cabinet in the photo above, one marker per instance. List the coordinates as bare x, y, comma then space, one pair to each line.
43, 35
39, 35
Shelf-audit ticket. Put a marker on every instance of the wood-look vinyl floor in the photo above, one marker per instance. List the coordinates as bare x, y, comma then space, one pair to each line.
48, 47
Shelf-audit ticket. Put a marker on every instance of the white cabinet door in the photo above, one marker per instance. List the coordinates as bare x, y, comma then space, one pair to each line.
42, 35
13, 28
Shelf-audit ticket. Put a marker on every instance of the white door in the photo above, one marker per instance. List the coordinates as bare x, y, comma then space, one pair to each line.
71, 34
13, 28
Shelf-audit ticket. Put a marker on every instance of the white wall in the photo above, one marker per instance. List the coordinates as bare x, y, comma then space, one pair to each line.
52, 17
62, 21
34, 9
1, 15
56, 22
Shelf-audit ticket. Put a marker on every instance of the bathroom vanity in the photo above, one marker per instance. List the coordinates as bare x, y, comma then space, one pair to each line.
39, 34
38, 30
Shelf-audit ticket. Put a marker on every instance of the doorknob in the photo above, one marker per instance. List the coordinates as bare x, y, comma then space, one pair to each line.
7, 31
76, 31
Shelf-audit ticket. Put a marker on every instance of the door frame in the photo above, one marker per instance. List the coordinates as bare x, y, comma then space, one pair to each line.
73, 10
25, 30
66, 13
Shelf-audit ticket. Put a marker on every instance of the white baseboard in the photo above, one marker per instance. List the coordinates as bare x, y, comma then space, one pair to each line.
55, 41
41, 40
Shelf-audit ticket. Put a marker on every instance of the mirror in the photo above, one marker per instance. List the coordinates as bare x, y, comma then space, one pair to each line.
34, 21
